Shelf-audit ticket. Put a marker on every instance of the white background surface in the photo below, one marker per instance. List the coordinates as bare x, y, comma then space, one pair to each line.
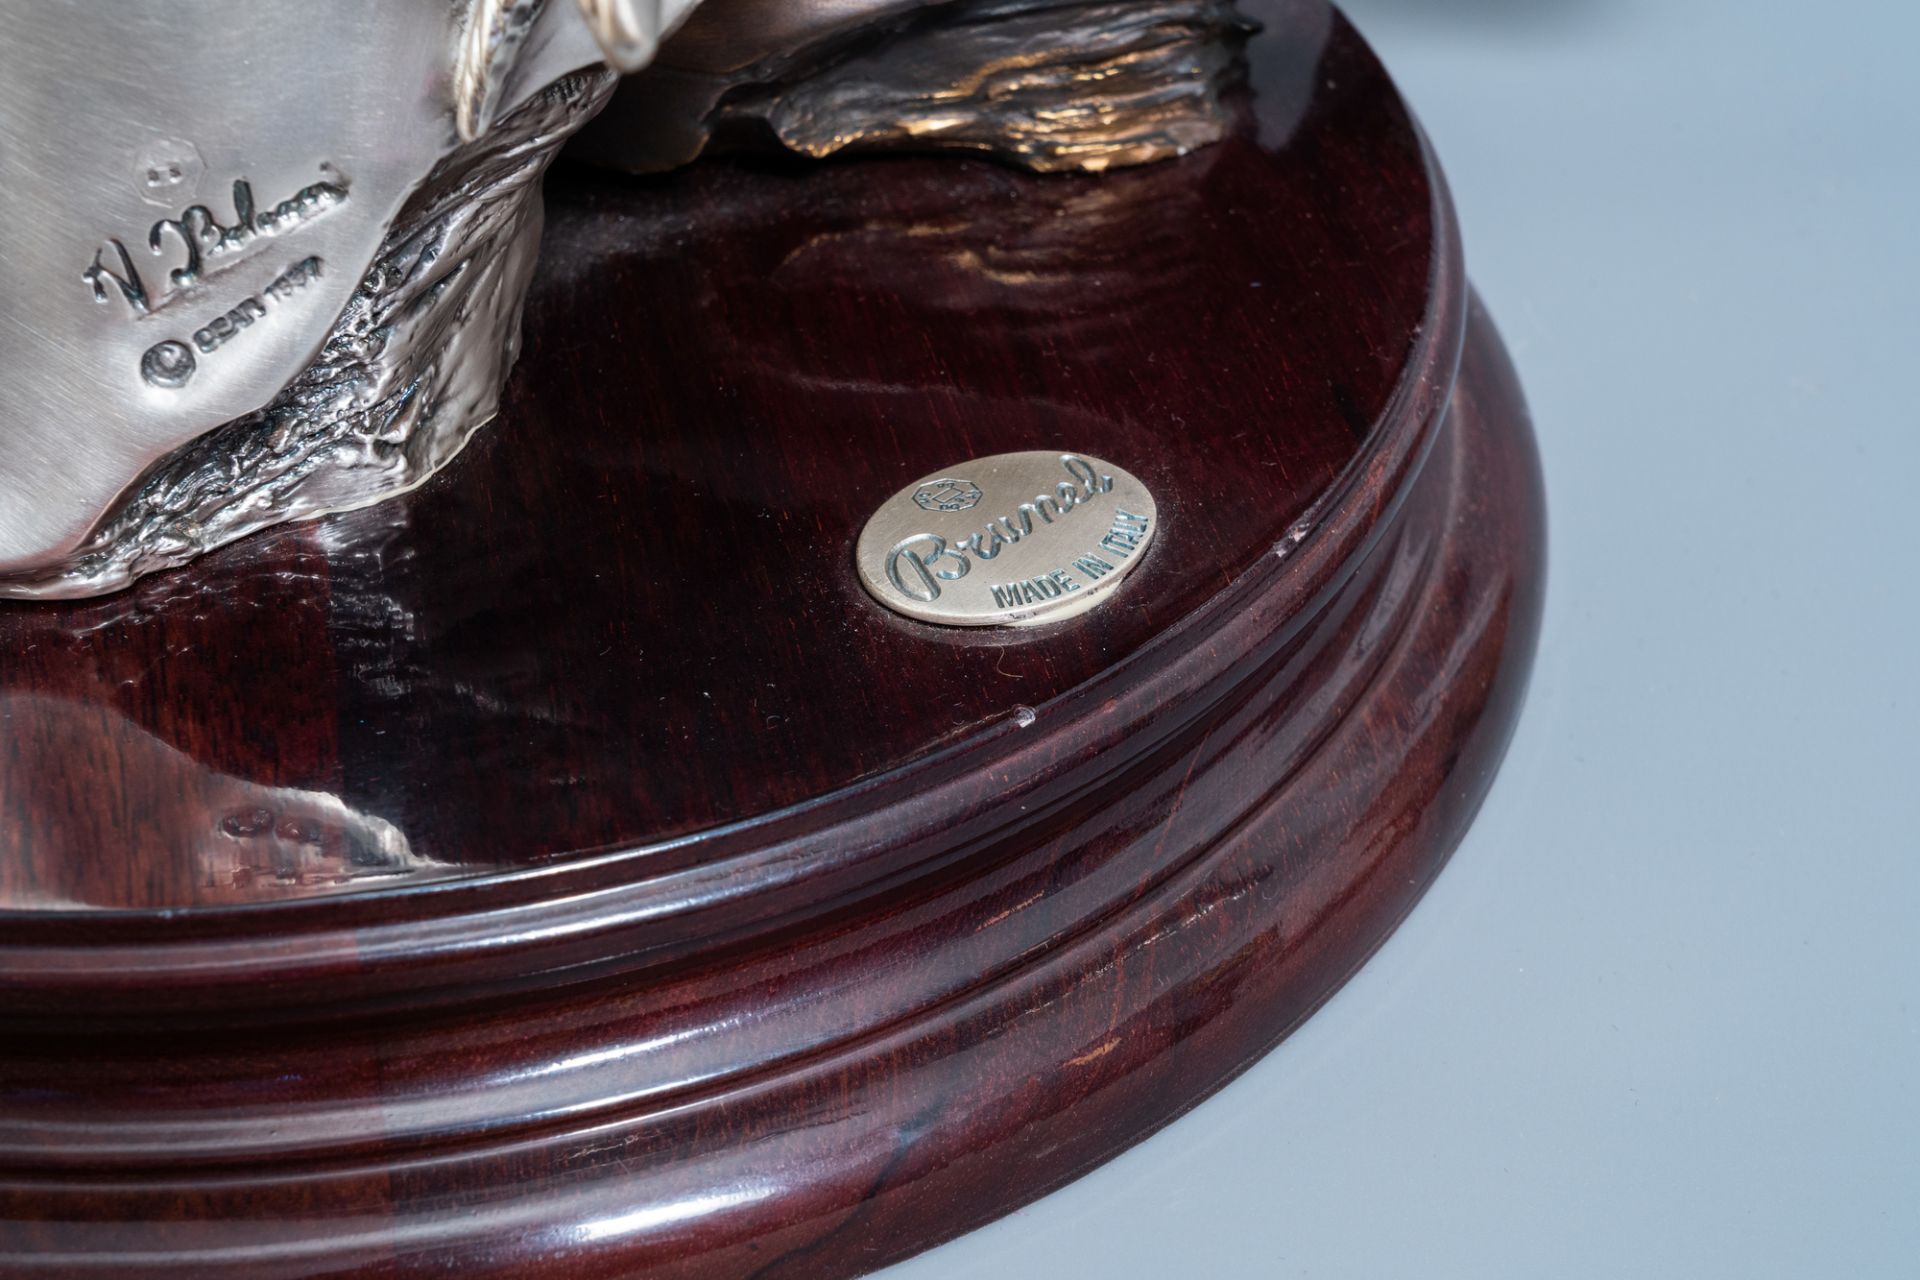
1661, 1015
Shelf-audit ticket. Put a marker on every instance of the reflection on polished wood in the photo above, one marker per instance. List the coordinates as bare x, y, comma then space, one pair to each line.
567, 870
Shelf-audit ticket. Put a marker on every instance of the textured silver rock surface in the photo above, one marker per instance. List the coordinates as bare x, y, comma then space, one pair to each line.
411, 369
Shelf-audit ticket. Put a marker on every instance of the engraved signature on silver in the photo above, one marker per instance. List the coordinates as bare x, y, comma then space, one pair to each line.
911, 563
204, 239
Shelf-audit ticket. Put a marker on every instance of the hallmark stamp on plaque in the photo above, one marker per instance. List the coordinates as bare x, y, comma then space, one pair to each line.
1014, 540
947, 495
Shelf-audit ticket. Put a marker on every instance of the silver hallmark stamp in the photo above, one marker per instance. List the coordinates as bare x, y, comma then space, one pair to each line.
1012, 540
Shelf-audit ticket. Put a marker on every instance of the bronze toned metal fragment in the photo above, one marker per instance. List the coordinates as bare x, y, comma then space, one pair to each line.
1051, 85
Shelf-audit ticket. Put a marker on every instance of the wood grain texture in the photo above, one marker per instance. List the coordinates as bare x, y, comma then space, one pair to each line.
566, 870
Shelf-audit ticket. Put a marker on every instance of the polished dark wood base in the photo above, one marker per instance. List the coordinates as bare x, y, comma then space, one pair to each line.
568, 870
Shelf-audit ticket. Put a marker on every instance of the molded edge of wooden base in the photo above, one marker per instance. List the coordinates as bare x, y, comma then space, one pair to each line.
860, 1091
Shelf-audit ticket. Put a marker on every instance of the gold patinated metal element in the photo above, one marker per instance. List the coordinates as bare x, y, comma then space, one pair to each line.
1049, 85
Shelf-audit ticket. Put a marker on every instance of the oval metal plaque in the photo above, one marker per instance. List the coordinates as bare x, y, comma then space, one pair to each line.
1010, 541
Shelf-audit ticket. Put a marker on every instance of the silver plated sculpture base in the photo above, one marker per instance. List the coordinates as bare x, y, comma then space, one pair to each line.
255, 359
411, 370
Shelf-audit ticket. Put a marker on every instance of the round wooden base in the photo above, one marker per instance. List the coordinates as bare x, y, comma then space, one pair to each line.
568, 870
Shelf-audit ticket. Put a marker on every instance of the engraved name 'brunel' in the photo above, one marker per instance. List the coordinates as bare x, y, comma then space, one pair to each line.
917, 565
930, 553
203, 239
